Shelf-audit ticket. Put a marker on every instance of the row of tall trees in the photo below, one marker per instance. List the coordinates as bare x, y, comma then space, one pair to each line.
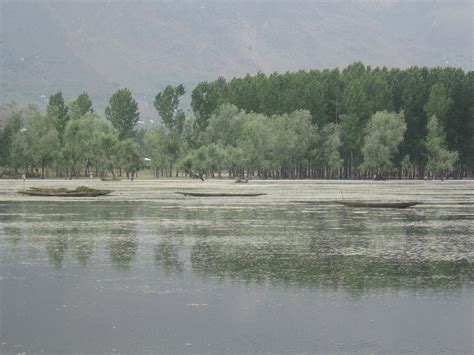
72, 139
350, 97
289, 146
358, 122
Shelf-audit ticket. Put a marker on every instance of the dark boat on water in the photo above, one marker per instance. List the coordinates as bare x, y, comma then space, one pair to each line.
375, 204
218, 194
81, 191
110, 179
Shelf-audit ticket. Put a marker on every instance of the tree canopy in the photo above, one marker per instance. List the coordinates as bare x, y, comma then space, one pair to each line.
331, 123
167, 105
123, 113
440, 159
58, 112
385, 132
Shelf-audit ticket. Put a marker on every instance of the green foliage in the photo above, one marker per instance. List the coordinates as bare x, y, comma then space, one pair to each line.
352, 138
439, 103
283, 125
235, 159
191, 135
20, 156
82, 143
225, 126
256, 141
199, 161
163, 147
440, 159
378, 92
356, 93
331, 143
167, 105
406, 165
217, 157
11, 128
206, 98
37, 145
81, 106
156, 147
292, 137
108, 153
385, 132
44, 142
123, 113
206, 160
130, 158
58, 112
173, 148
91, 144
354, 100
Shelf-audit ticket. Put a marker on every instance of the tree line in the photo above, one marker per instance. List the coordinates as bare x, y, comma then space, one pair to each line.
356, 123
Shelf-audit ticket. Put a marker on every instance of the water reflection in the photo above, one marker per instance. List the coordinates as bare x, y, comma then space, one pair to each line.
356, 250
294, 245
166, 254
123, 246
76, 242
82, 246
56, 247
277, 265
70, 229
142, 271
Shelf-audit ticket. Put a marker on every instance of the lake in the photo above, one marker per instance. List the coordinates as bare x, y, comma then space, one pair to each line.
146, 270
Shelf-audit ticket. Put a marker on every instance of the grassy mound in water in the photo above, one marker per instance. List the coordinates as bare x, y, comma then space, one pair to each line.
81, 191
85, 189
49, 189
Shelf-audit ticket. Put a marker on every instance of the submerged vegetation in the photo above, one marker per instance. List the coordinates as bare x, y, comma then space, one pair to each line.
355, 123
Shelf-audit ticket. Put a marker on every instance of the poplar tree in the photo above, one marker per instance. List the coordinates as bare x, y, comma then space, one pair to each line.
167, 105
81, 106
123, 113
58, 112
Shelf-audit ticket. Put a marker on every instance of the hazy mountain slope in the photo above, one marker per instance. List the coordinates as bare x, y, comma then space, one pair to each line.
98, 46
36, 58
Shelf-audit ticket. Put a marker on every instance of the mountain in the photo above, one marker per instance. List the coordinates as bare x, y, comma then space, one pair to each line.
99, 46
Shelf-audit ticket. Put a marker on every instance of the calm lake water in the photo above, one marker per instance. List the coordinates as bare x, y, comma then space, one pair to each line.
145, 270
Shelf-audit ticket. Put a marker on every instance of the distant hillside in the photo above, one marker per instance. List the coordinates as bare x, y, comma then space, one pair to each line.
100, 46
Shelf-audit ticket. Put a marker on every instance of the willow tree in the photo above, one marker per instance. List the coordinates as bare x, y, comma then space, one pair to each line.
36, 146
13, 126
384, 133
156, 148
130, 158
440, 159
167, 105
83, 147
331, 144
44, 142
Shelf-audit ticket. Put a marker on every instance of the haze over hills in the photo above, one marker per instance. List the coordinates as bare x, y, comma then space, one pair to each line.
100, 46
